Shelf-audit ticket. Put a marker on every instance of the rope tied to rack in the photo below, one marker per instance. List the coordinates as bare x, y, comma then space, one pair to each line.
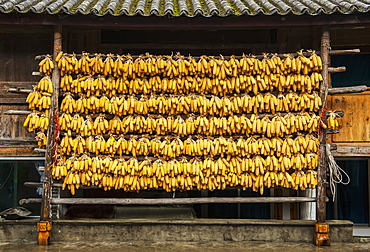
336, 174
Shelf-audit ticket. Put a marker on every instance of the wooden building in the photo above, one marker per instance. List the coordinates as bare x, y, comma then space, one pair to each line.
190, 27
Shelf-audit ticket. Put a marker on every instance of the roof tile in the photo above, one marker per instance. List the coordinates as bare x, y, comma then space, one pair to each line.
183, 9
154, 9
187, 8
197, 8
213, 10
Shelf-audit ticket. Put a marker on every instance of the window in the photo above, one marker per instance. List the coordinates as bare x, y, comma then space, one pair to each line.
357, 70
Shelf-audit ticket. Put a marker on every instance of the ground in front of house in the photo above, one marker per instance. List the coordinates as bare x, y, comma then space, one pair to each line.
182, 246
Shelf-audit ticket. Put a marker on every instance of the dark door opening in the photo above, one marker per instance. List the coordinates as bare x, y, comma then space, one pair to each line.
352, 200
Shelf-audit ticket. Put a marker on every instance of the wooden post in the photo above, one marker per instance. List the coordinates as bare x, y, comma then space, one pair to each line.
44, 226
321, 230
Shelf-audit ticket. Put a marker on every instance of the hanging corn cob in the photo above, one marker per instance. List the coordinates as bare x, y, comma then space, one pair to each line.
206, 123
134, 175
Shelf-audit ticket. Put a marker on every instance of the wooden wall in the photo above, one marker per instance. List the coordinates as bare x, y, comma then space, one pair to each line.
354, 137
355, 125
18, 48
226, 42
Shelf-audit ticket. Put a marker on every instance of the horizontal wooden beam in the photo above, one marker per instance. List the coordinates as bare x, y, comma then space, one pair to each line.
337, 69
9, 149
18, 83
12, 100
222, 46
20, 90
59, 185
347, 90
22, 141
56, 185
352, 151
226, 57
37, 73
17, 112
168, 201
39, 150
349, 51
16, 139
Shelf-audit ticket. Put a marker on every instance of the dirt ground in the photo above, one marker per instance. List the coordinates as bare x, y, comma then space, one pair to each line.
183, 247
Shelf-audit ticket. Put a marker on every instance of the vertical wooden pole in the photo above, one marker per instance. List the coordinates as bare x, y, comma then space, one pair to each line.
44, 226
321, 228
278, 207
204, 207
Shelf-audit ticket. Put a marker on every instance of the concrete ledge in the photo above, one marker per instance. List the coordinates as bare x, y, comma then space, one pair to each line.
361, 239
182, 230
18, 230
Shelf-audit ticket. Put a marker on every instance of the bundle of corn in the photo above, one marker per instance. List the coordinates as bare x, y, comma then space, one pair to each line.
181, 123
39, 102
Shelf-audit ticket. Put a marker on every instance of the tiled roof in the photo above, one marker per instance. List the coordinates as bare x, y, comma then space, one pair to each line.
189, 8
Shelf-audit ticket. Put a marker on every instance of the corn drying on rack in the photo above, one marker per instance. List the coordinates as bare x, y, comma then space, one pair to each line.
183, 123
180, 123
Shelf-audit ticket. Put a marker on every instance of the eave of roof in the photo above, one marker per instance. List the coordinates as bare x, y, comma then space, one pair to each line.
170, 22
185, 8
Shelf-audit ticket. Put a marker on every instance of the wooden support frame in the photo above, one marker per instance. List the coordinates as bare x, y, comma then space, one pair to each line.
347, 90
322, 238
227, 57
20, 90
170, 201
44, 235
337, 69
18, 112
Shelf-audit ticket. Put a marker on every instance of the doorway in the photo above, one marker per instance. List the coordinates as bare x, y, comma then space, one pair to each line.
352, 200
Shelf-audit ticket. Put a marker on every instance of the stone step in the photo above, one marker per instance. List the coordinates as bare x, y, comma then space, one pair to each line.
361, 239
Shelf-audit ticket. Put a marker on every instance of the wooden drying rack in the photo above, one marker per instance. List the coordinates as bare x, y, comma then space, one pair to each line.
321, 237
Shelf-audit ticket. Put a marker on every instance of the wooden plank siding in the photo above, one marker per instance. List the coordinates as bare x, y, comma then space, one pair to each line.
14, 98
17, 53
18, 48
355, 125
353, 139
15, 140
